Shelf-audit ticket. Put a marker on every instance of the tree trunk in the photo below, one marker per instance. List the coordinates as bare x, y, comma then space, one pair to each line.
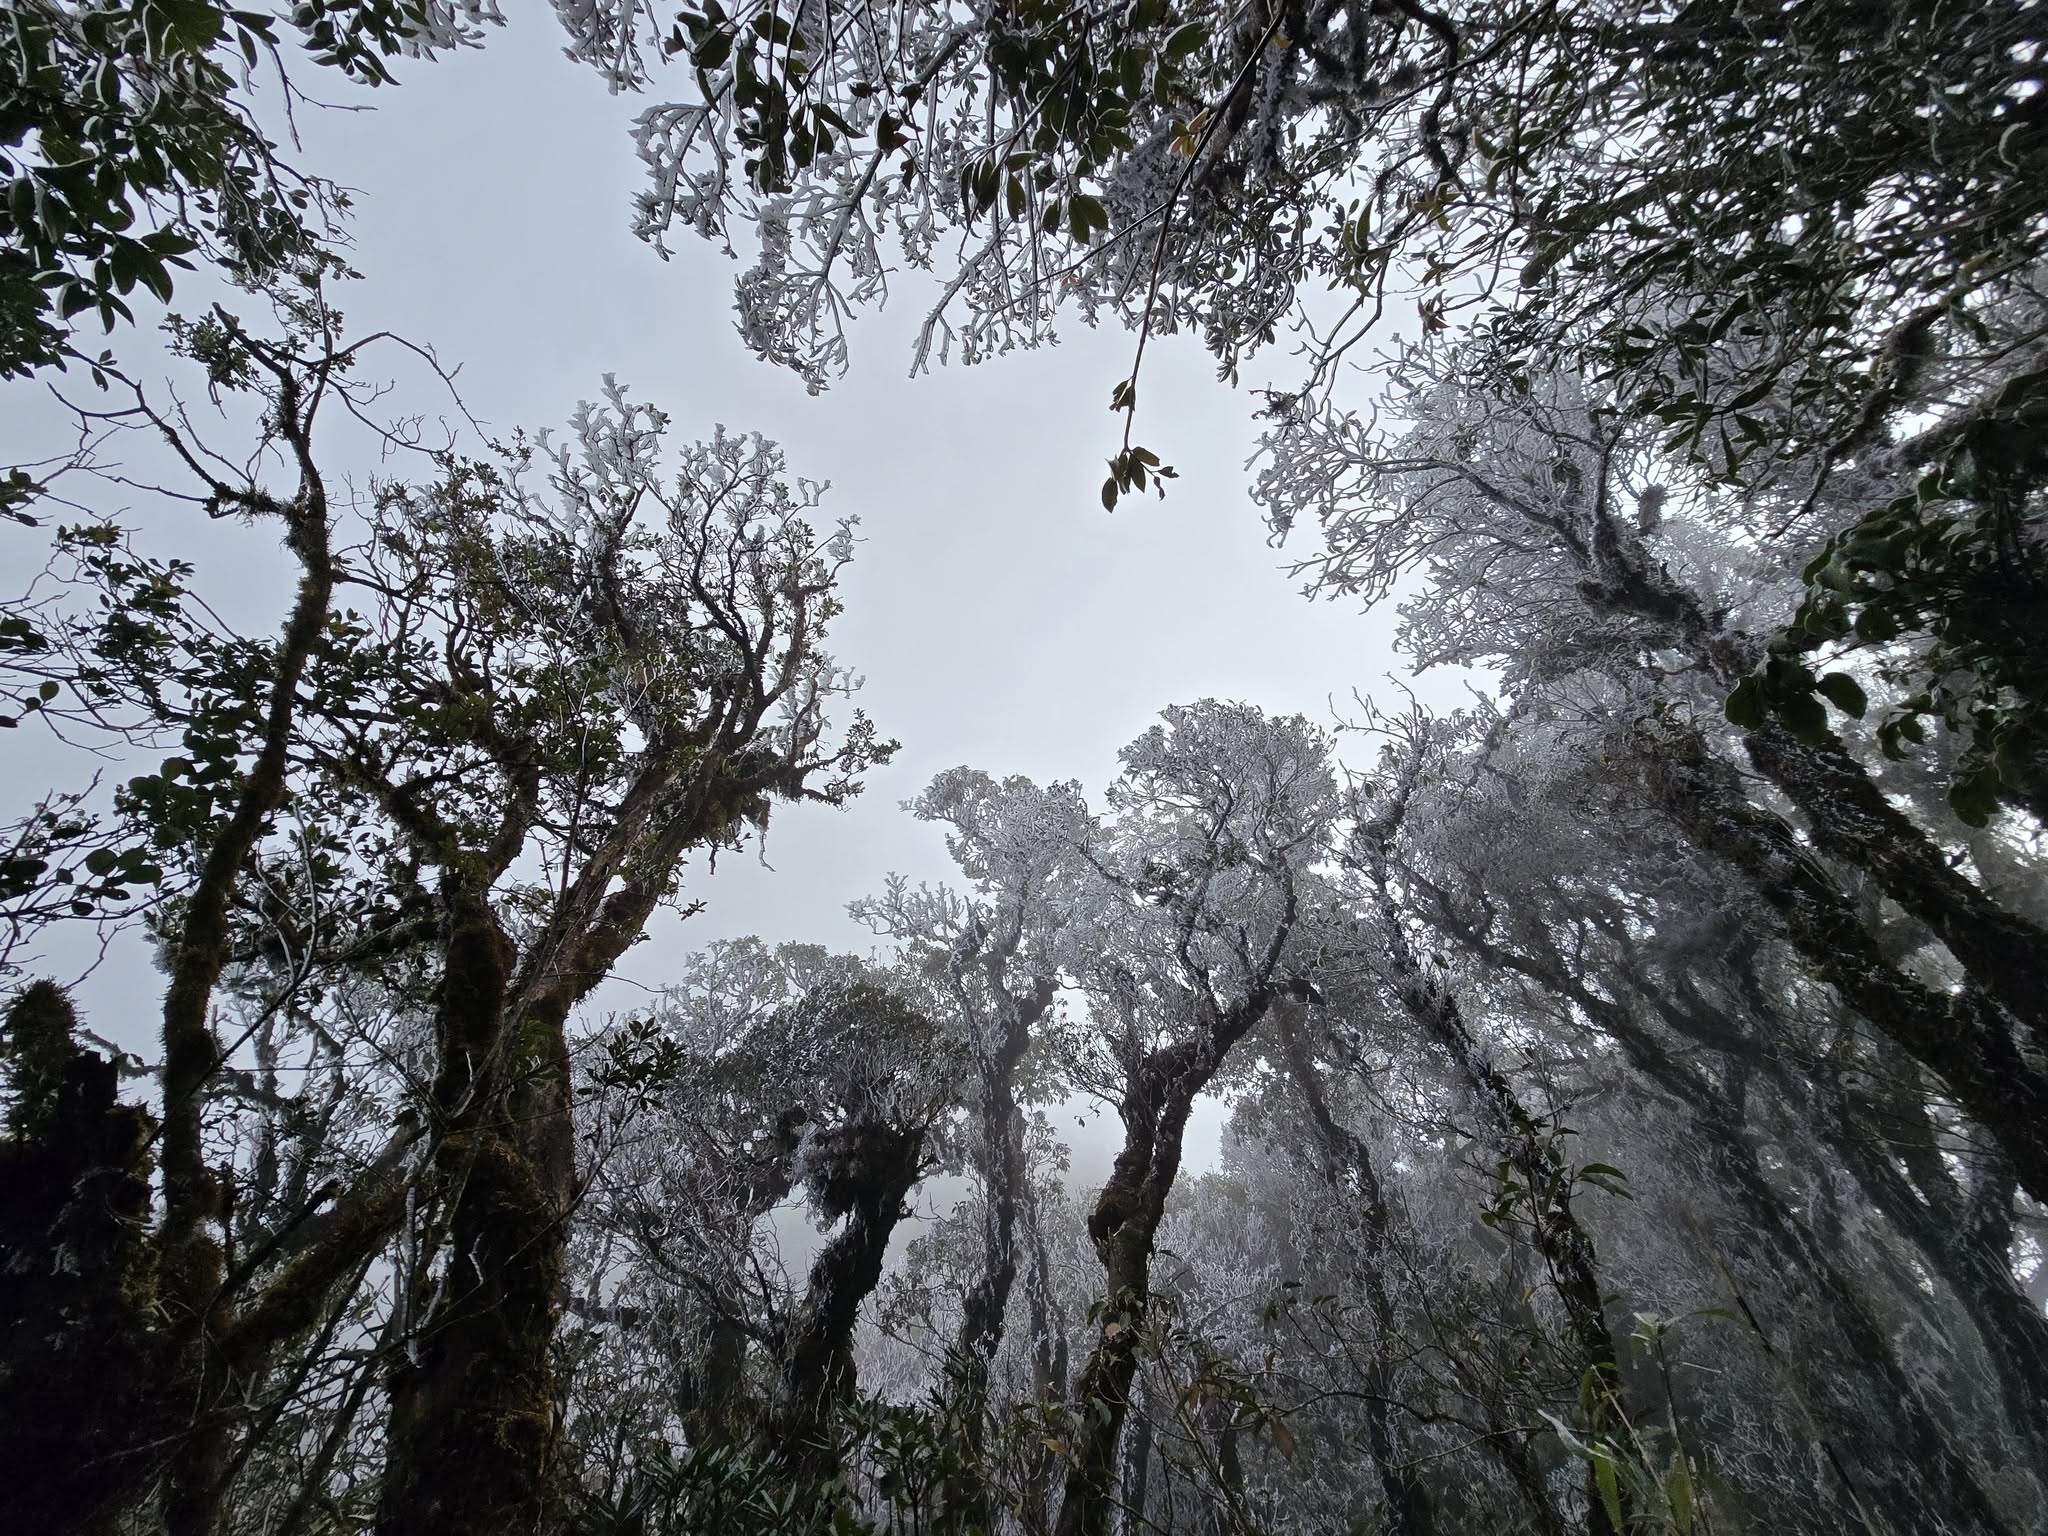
1048, 1358
1566, 1246
471, 1442
1903, 1452
1157, 1098
1962, 1039
1973, 1265
193, 1295
1409, 1512
1901, 1449
1850, 817
1852, 821
881, 1167
1001, 1159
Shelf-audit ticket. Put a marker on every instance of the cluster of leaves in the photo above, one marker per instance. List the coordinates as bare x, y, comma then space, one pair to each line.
61, 860
1647, 1479
1536, 1189
1669, 209
1959, 558
127, 145
135, 660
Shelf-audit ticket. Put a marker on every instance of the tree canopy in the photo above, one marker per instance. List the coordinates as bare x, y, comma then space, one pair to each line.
1634, 1082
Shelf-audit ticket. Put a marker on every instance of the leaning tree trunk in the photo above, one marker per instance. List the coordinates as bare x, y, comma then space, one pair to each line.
1567, 1247
193, 1294
1899, 1444
1955, 1246
1962, 1038
1157, 1099
1853, 821
1906, 1453
1409, 1511
880, 1166
1881, 1434
1964, 1242
1849, 816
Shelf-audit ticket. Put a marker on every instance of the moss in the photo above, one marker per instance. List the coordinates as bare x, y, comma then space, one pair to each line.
39, 1048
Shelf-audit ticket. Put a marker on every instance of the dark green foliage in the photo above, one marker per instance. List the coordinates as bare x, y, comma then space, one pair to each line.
127, 146
78, 1360
909, 1468
1959, 559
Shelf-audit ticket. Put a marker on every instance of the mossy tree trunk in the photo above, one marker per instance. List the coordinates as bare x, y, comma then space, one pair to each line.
1158, 1096
471, 1435
879, 1164
1001, 1163
1348, 1161
1964, 1038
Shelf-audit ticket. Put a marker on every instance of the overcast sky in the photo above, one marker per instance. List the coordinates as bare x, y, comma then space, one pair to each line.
1000, 617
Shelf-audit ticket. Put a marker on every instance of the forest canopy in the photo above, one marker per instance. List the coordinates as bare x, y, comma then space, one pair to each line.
1635, 1079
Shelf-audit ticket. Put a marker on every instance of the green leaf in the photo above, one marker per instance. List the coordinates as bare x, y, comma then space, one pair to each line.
1085, 215
1804, 716
1609, 1484
1185, 41
1678, 1494
1745, 706
1845, 693
1109, 494
1974, 797
187, 26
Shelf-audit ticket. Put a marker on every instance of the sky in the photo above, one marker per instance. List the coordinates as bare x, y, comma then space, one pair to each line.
1000, 618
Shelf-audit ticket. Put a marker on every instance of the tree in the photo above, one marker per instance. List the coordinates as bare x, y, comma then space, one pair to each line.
1662, 204
472, 795
995, 964
1514, 497
1190, 931
1630, 955
1634, 1082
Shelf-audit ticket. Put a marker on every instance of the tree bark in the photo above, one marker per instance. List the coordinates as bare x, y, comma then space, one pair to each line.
1906, 1453
194, 1298
1137, 1473
472, 1433
1854, 822
1160, 1092
1963, 1039
1968, 1259
1567, 1247
881, 1166
1409, 1511
1001, 1156
1850, 817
